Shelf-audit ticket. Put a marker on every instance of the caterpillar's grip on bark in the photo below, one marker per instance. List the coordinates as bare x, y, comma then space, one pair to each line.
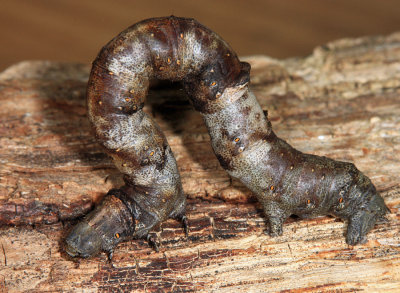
284, 180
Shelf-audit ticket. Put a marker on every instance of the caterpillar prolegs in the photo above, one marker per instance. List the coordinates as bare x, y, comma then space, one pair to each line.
284, 180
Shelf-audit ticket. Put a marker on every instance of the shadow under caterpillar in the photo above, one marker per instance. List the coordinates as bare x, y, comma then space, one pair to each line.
285, 180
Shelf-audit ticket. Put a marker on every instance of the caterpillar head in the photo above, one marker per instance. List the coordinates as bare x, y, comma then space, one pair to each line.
101, 230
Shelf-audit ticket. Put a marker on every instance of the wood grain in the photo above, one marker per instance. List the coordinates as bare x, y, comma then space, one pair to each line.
342, 101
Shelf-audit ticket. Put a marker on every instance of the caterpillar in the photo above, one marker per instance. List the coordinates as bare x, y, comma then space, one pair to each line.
285, 180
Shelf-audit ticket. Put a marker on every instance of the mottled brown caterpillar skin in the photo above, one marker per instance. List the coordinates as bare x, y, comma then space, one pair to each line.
284, 180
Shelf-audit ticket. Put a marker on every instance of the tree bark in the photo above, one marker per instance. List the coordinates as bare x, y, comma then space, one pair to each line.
342, 101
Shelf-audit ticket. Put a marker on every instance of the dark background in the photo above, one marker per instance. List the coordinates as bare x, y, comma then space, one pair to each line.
75, 30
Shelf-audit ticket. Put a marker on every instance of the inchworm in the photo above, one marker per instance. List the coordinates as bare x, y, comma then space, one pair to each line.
284, 180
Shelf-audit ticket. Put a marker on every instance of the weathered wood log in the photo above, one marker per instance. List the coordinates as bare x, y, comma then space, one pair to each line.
343, 101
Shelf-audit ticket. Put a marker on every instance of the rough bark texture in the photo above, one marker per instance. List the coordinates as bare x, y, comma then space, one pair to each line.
343, 101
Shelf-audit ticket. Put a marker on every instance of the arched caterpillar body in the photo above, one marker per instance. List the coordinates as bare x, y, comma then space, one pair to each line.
284, 180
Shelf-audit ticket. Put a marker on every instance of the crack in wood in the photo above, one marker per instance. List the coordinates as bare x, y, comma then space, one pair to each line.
212, 223
137, 268
4, 253
167, 260
290, 249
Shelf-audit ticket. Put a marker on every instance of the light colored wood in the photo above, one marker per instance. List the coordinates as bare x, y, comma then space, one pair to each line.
342, 101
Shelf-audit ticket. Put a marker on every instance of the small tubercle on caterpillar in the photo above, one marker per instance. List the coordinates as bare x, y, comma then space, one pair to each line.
283, 179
